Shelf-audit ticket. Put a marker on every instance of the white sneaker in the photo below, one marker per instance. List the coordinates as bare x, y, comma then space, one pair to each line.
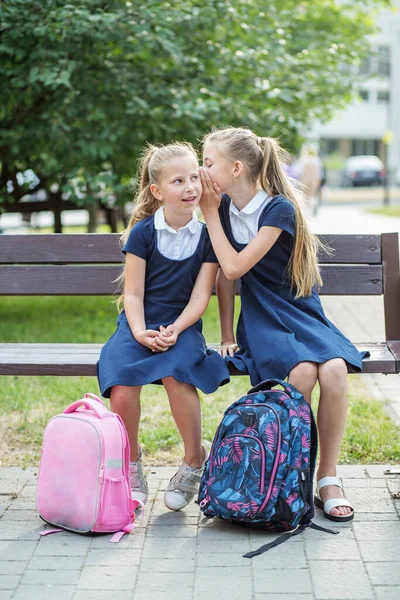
139, 487
184, 485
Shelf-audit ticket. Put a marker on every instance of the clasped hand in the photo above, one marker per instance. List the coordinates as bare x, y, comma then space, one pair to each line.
158, 341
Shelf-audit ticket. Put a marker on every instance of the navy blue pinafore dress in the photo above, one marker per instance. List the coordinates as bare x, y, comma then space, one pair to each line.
168, 286
275, 330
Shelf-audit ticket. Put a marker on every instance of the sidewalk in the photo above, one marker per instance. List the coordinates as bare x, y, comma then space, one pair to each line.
184, 556
181, 555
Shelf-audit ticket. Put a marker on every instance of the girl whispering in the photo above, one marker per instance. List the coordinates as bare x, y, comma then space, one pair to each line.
260, 236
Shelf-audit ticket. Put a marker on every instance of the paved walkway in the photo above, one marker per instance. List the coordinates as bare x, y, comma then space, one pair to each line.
184, 556
181, 555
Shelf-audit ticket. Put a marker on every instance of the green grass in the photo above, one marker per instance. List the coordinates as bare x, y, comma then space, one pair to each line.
387, 211
27, 403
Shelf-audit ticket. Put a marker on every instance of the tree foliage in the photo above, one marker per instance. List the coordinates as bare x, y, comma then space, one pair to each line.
85, 84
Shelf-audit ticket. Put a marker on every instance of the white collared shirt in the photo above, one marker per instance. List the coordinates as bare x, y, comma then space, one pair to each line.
244, 223
180, 244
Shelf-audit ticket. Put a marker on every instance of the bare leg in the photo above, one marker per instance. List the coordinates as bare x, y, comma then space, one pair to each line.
125, 401
304, 377
185, 407
331, 419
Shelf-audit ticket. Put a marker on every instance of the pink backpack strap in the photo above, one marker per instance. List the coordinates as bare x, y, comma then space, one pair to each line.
98, 408
128, 528
49, 531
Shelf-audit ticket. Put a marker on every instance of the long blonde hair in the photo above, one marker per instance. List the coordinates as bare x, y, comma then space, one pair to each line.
151, 163
263, 157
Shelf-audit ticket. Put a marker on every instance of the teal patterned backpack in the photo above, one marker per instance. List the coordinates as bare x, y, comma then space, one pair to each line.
261, 465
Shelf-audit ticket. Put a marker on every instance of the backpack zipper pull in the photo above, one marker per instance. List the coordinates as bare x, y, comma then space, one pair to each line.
302, 476
101, 474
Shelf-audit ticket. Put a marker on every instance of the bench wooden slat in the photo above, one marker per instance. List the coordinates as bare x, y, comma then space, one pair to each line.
105, 248
80, 359
352, 249
59, 248
98, 280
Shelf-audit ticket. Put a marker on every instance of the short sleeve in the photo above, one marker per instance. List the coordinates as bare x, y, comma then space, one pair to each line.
138, 241
280, 213
209, 254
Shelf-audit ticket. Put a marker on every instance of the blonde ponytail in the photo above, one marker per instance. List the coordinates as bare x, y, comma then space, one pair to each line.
151, 163
263, 157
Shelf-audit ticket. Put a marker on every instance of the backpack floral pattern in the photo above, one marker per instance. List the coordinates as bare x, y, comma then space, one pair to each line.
261, 464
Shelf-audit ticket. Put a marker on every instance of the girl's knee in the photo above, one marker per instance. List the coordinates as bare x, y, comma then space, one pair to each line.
333, 372
306, 372
122, 395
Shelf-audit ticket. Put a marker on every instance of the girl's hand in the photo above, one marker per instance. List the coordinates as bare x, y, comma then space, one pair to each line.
228, 348
147, 338
211, 195
169, 335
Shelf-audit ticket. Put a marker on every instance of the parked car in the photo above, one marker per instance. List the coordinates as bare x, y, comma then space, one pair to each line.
363, 170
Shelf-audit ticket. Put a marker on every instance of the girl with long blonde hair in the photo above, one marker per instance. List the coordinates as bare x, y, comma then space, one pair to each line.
168, 278
260, 236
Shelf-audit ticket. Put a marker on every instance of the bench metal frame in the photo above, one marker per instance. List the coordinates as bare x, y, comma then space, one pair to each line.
89, 264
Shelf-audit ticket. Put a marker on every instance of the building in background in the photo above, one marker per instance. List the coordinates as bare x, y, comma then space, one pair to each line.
374, 117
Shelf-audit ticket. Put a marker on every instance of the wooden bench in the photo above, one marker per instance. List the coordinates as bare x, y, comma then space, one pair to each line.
88, 264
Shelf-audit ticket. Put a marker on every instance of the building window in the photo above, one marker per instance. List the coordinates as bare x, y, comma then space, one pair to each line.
364, 95
329, 146
361, 147
383, 66
365, 66
383, 97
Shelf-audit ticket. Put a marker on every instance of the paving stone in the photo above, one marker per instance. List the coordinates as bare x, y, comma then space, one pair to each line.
29, 516
375, 501
340, 579
167, 565
171, 583
352, 471
14, 473
230, 532
331, 548
363, 483
283, 597
107, 578
381, 531
221, 560
41, 592
168, 531
146, 592
384, 573
47, 577
17, 550
22, 530
23, 504
71, 545
6, 594
221, 585
387, 592
9, 582
12, 567
227, 546
5, 502
103, 595
375, 517
375, 471
282, 581
287, 556
176, 547
56, 563
112, 556
134, 540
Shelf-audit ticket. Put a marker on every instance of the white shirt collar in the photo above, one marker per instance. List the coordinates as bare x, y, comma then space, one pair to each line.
160, 223
252, 206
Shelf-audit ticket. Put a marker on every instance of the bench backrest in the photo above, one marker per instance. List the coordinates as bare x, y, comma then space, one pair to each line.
89, 264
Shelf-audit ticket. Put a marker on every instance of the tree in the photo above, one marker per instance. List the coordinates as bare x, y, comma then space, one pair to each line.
86, 84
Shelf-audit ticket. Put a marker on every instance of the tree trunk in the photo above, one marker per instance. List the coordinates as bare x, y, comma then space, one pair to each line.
92, 209
56, 200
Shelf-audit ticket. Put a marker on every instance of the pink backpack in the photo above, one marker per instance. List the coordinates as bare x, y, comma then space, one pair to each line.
83, 482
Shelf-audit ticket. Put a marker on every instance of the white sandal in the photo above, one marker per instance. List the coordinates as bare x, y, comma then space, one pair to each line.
333, 502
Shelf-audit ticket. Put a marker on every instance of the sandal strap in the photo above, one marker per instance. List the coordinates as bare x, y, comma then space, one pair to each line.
335, 502
329, 481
